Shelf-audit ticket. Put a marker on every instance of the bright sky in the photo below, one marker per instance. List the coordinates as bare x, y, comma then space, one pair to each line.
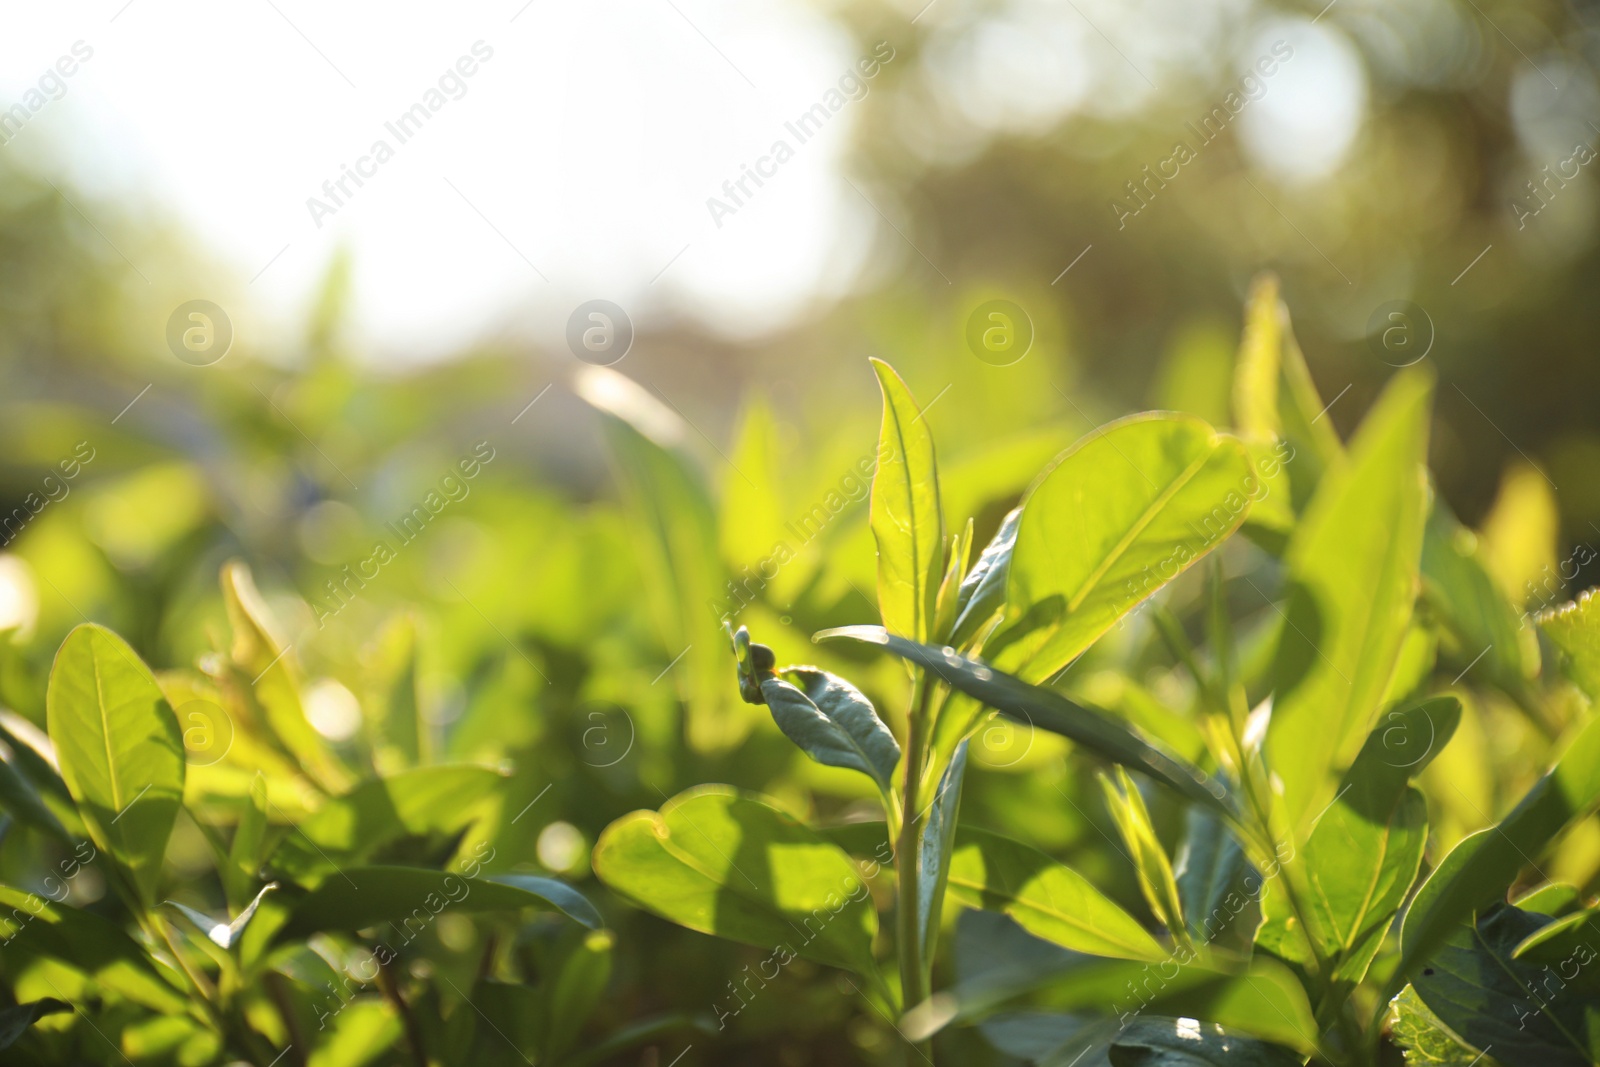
569, 150
573, 163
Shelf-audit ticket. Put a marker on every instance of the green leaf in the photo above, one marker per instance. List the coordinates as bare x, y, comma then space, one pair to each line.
1426, 1040
14, 1021
410, 898
19, 799
1048, 899
1256, 372
577, 992
1113, 519
119, 747
1364, 854
1521, 1011
1150, 861
267, 678
1048, 710
397, 728
1470, 604
832, 722
982, 595
731, 865
34, 928
933, 851
224, 934
247, 852
357, 1034
906, 519
1479, 869
1352, 569
1218, 886
1575, 629
673, 525
425, 800
1155, 1042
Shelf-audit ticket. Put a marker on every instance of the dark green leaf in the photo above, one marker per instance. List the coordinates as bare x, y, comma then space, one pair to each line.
1472, 607
577, 991
1427, 1041
832, 722
906, 518
1156, 1042
21, 800
983, 591
1479, 869
729, 864
1522, 1012
1218, 886
934, 850
15, 1021
406, 900
120, 750
1048, 710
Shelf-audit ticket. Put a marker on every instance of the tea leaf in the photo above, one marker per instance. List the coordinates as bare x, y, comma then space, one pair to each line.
729, 864
1353, 565
1113, 519
120, 750
1157, 1042
14, 1021
1479, 869
1046, 709
1049, 899
412, 897
934, 849
906, 519
832, 722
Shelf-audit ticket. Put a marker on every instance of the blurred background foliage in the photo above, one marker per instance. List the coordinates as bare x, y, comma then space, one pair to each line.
562, 616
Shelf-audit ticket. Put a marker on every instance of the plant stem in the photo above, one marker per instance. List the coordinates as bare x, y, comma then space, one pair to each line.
914, 976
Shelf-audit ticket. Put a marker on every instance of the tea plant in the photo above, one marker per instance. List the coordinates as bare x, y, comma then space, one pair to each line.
329, 949
1304, 914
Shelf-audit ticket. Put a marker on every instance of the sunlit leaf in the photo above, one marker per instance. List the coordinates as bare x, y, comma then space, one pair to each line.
120, 751
32, 927
1113, 519
267, 678
1575, 629
1426, 1040
425, 800
1352, 570
731, 865
1150, 862
1049, 899
907, 522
